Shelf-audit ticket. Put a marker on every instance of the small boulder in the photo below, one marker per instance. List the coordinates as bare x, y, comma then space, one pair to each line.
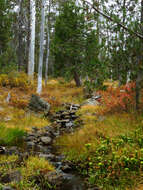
46, 140
38, 104
91, 101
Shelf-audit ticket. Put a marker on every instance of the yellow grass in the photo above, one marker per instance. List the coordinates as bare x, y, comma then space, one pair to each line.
110, 83
16, 114
35, 165
92, 130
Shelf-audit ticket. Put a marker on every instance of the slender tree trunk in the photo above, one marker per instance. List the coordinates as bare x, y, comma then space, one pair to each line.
77, 79
139, 65
27, 37
31, 61
20, 36
41, 53
48, 46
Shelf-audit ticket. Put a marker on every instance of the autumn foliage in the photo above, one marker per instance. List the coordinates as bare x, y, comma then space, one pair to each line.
118, 99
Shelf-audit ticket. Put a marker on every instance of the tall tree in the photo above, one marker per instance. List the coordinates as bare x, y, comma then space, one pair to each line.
69, 41
48, 42
41, 53
31, 61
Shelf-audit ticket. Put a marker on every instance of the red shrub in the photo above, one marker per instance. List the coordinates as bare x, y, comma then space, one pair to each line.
118, 99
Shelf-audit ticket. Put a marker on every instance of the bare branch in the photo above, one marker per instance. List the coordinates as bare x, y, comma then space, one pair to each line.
112, 20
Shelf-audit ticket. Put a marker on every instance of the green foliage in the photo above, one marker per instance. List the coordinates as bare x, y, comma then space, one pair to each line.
69, 40
112, 162
7, 54
10, 136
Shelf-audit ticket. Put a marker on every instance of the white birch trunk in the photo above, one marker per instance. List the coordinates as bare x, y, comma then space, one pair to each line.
39, 87
31, 61
48, 48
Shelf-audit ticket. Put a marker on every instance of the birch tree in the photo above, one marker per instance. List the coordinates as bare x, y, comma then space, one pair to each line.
39, 87
31, 61
48, 44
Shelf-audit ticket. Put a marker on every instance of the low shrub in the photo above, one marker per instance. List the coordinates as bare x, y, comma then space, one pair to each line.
18, 102
118, 99
109, 152
15, 79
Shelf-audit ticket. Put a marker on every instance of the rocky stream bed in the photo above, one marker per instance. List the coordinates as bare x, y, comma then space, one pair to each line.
40, 142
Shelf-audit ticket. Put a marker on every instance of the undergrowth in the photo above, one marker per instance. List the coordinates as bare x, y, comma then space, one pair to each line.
31, 172
10, 136
109, 152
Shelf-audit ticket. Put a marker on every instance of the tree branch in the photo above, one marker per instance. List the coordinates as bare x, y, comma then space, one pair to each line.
112, 20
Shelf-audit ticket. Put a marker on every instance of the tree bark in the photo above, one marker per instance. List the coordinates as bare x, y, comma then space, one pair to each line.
77, 79
48, 46
20, 37
41, 53
31, 61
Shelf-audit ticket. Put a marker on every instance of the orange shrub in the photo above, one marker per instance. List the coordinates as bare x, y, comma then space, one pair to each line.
18, 102
118, 99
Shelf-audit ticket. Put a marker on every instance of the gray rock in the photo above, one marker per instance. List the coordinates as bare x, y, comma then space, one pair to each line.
63, 121
47, 156
43, 149
70, 124
46, 140
7, 188
38, 104
48, 129
66, 168
30, 144
12, 150
91, 101
30, 138
2, 150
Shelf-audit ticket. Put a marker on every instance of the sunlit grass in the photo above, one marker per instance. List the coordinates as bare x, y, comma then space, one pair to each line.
6, 158
34, 165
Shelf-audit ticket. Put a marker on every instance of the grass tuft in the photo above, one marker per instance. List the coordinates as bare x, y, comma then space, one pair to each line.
10, 136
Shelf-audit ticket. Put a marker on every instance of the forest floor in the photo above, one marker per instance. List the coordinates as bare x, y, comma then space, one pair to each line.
107, 148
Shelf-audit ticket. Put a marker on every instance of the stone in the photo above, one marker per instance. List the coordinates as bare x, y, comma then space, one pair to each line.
2, 150
76, 105
35, 129
30, 138
38, 104
70, 124
43, 149
7, 188
72, 112
63, 121
30, 144
91, 101
47, 156
48, 129
46, 140
8, 118
13, 150
66, 168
